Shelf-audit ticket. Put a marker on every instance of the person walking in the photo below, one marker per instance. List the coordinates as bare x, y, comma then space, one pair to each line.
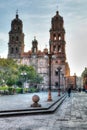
69, 91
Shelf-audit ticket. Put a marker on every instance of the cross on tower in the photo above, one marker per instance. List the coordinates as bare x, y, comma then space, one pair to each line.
17, 12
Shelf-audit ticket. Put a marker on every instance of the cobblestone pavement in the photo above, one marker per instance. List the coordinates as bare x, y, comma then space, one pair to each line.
71, 115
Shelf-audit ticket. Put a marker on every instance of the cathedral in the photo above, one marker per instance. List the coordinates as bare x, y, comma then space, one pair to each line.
37, 58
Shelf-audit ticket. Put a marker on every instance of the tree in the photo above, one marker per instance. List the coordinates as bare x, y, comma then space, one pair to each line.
84, 76
31, 75
37, 79
8, 71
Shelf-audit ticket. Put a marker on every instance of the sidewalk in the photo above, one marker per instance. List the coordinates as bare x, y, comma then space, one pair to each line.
71, 115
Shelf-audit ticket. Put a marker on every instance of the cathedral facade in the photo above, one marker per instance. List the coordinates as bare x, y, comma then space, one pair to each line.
37, 58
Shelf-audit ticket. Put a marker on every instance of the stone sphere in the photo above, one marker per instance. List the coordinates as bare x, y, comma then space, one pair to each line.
35, 98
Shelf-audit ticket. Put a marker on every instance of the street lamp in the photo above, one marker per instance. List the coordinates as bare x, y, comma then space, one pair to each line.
23, 74
59, 70
62, 82
50, 58
49, 89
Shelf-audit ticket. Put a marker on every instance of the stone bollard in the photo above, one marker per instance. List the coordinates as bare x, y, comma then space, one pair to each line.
35, 99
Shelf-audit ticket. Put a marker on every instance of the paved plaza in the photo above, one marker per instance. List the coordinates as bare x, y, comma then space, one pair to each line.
71, 115
24, 101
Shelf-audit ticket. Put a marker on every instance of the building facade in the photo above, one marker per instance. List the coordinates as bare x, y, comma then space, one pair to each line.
37, 58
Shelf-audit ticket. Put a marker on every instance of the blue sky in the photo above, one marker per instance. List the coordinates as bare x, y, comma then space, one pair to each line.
36, 16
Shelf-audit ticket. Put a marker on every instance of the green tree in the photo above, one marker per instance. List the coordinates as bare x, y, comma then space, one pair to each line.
31, 75
8, 71
37, 79
84, 76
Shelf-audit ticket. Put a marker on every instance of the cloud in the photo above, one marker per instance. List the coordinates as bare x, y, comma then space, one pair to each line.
36, 16
3, 44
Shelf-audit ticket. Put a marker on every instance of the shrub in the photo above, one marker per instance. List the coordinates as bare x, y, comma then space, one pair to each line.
4, 88
19, 90
33, 89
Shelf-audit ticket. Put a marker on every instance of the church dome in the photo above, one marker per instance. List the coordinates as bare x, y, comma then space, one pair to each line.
57, 17
16, 24
17, 20
57, 22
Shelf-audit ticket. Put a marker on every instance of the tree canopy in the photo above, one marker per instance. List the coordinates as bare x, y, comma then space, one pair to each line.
11, 73
84, 76
84, 73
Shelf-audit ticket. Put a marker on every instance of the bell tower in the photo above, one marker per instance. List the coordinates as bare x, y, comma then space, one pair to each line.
57, 47
16, 39
34, 46
57, 37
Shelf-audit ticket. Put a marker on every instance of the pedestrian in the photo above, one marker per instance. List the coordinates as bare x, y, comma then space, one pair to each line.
79, 89
69, 91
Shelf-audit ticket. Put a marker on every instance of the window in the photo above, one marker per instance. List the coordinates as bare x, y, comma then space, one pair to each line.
17, 38
18, 28
12, 50
56, 73
59, 48
56, 84
59, 37
12, 38
54, 36
16, 50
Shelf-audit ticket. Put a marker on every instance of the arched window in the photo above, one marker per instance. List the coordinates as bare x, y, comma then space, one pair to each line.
56, 84
12, 38
18, 28
59, 48
16, 50
17, 38
59, 37
56, 73
12, 50
54, 36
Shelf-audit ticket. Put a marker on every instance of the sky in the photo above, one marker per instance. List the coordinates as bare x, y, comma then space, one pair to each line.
36, 17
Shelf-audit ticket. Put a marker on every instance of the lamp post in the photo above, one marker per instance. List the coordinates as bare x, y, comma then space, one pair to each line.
50, 58
75, 81
49, 89
23, 74
59, 69
62, 82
